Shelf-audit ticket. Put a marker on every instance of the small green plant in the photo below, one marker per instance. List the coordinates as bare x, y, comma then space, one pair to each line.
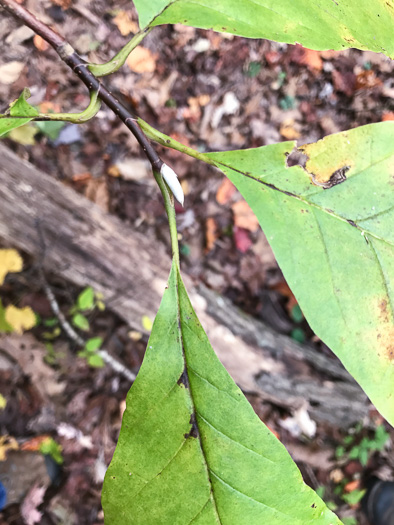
354, 448
49, 447
89, 352
349, 521
354, 497
86, 302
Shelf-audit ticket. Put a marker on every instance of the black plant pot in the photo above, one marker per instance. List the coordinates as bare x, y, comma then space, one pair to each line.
378, 502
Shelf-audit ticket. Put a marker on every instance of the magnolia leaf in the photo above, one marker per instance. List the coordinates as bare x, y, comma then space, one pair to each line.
331, 228
327, 24
18, 108
10, 262
191, 449
332, 231
20, 319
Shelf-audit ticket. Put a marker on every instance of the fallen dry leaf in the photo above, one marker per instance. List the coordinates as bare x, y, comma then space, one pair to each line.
34, 444
64, 4
352, 485
225, 191
30, 355
7, 443
40, 43
10, 262
242, 240
387, 115
193, 111
96, 190
328, 54
142, 60
367, 79
344, 82
49, 107
244, 216
20, 319
81, 177
306, 57
288, 131
10, 72
283, 288
34, 498
211, 233
125, 24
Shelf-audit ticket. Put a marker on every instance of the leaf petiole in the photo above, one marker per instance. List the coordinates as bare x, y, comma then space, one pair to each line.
101, 70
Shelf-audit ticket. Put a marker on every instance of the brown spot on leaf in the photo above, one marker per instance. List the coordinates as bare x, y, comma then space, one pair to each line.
385, 331
184, 379
384, 314
193, 433
337, 177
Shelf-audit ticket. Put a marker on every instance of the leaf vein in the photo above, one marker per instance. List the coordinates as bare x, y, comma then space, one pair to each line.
246, 495
233, 440
161, 471
200, 511
327, 254
210, 383
384, 278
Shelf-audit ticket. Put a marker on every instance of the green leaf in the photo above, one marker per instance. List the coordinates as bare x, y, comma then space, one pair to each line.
19, 107
349, 521
53, 449
298, 335
353, 497
5, 327
327, 24
85, 299
51, 129
335, 246
93, 344
51, 322
381, 437
296, 314
80, 322
95, 360
191, 449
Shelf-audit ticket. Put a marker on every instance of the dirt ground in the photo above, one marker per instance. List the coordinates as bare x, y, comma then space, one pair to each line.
213, 92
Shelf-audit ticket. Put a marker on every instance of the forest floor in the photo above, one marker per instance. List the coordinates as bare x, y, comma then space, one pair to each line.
213, 92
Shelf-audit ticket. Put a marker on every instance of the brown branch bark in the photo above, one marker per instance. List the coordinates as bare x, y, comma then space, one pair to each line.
80, 68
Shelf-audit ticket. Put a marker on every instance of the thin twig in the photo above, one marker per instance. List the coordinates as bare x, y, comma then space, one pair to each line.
74, 336
80, 68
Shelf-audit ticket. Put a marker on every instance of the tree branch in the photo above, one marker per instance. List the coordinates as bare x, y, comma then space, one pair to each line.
80, 68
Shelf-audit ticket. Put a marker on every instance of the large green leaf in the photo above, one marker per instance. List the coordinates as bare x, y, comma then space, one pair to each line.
191, 449
19, 107
323, 24
335, 246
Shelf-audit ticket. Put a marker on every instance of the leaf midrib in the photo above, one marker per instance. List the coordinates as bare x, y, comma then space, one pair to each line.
191, 396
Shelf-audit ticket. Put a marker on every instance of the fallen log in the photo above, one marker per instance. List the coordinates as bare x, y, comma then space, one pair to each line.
86, 246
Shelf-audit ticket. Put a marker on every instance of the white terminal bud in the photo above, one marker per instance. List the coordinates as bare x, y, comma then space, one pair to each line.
171, 179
